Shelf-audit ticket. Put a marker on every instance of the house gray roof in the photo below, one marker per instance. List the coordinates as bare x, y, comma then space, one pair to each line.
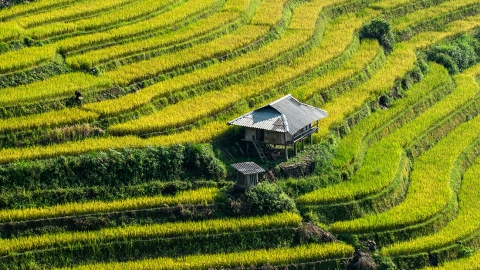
283, 115
248, 168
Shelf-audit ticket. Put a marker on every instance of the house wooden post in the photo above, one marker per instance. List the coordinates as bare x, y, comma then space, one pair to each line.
295, 148
286, 146
311, 139
303, 144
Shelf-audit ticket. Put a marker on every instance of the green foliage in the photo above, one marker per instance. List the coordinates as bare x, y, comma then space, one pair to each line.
379, 29
456, 55
268, 198
3, 47
114, 168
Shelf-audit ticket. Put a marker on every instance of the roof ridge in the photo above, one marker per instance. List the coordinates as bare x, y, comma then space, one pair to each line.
280, 99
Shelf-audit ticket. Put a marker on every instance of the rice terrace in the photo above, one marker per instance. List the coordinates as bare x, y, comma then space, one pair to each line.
240, 134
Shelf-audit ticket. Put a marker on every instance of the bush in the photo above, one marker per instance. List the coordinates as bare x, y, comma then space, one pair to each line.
456, 55
269, 198
379, 29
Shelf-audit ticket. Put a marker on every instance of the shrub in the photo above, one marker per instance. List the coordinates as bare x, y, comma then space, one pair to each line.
268, 198
456, 55
379, 29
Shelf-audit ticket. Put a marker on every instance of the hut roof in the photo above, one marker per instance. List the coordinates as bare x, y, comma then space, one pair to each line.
248, 168
283, 115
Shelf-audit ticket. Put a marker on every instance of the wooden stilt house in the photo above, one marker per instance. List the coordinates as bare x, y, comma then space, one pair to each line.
247, 174
285, 121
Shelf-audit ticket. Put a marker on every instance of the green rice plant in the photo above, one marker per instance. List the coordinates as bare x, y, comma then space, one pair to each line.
431, 169
400, 61
51, 29
215, 101
25, 58
31, 56
218, 47
258, 258
70, 148
199, 76
269, 13
55, 87
378, 170
469, 263
416, 17
383, 156
53, 118
36, 6
92, 58
200, 135
350, 145
129, 12
369, 49
268, 52
236, 6
10, 31
84, 8
386, 5
192, 197
138, 232
465, 224
161, 21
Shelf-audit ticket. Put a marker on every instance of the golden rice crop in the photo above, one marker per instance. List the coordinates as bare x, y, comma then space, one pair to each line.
218, 47
418, 16
25, 58
56, 28
160, 21
343, 106
54, 87
32, 7
468, 263
274, 257
48, 119
385, 5
236, 6
350, 144
191, 197
269, 12
83, 8
31, 56
265, 53
133, 11
383, 157
126, 13
368, 50
95, 57
466, 223
209, 103
10, 31
133, 232
431, 169
305, 16
199, 135
70, 148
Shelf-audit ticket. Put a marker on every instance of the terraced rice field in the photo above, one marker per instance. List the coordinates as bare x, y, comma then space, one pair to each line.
113, 134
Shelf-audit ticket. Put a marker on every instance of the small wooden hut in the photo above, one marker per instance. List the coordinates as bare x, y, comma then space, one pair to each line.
285, 121
247, 174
